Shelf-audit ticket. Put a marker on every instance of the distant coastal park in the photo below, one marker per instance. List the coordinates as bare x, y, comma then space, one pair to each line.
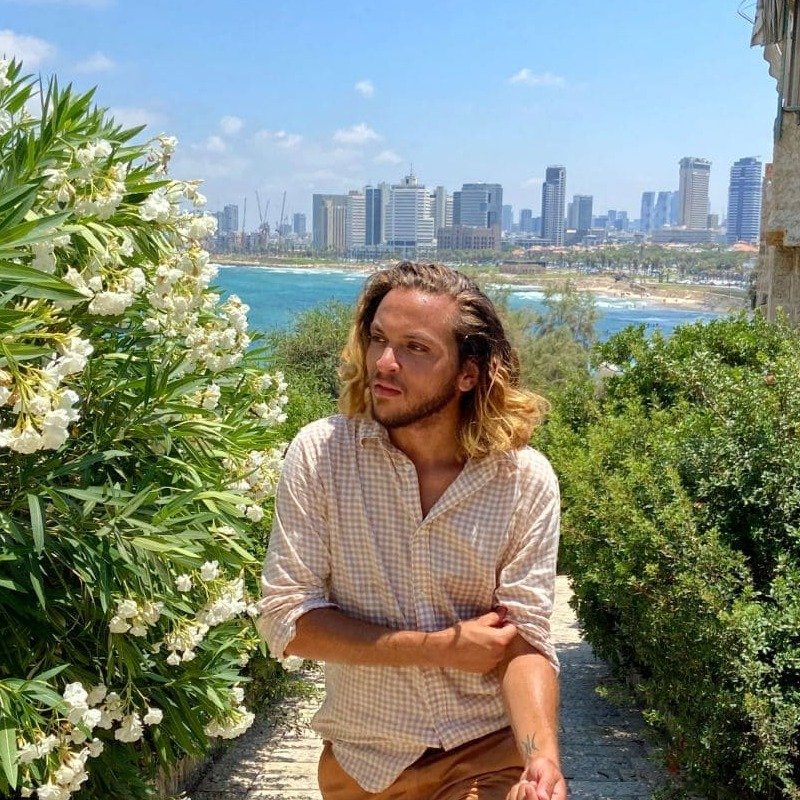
711, 278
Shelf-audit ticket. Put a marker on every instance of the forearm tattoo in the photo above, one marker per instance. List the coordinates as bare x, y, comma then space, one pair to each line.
529, 746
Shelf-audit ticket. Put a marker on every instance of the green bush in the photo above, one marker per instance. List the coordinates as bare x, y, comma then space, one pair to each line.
139, 450
681, 486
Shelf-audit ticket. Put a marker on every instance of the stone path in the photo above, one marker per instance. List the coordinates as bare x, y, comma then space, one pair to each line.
603, 751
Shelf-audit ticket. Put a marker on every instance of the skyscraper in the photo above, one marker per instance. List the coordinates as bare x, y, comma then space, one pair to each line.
525, 220
299, 224
408, 216
744, 201
693, 192
647, 214
441, 209
355, 225
661, 211
581, 212
481, 205
508, 218
329, 221
554, 190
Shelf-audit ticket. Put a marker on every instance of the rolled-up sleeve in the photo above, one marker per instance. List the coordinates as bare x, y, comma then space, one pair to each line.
526, 585
296, 570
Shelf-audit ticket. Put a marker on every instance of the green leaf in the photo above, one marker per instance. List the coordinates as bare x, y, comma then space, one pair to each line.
31, 282
37, 522
8, 749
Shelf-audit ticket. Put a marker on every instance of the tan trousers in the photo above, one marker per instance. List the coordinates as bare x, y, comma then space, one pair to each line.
483, 769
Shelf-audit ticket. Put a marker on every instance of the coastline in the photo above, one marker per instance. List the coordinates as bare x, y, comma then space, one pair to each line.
603, 285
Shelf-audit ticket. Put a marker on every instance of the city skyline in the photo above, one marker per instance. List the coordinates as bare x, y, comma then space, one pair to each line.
325, 99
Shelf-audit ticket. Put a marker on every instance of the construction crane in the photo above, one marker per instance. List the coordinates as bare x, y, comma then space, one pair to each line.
262, 217
244, 218
280, 224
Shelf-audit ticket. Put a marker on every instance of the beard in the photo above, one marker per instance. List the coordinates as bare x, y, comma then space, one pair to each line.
425, 409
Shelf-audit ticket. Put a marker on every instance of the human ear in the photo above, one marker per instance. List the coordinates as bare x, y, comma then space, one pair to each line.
468, 379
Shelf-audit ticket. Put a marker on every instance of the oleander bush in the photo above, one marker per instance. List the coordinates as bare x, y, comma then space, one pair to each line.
139, 447
681, 488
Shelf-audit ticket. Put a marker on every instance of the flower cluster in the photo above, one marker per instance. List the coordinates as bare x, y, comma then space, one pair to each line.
257, 475
225, 600
236, 722
271, 412
135, 617
66, 752
44, 407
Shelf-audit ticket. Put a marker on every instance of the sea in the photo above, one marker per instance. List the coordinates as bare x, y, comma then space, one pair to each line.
277, 294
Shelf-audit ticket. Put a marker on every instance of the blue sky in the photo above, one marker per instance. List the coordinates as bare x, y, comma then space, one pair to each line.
326, 96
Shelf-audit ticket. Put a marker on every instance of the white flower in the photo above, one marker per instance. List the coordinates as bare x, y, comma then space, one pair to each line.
130, 730
27, 441
5, 394
173, 659
183, 583
91, 718
153, 716
97, 694
156, 207
118, 625
255, 513
50, 791
237, 695
209, 571
138, 630
75, 695
188, 655
109, 304
127, 608
291, 663
95, 747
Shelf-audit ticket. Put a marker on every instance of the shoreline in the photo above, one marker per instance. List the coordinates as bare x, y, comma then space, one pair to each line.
610, 286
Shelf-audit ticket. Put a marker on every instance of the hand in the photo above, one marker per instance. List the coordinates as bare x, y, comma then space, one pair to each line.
541, 780
478, 644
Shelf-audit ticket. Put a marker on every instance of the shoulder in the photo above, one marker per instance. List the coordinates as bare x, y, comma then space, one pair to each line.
330, 437
533, 470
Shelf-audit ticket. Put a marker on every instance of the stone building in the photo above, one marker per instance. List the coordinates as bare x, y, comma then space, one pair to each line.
777, 29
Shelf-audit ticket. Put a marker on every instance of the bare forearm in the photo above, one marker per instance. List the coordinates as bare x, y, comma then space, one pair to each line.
530, 691
326, 634
474, 645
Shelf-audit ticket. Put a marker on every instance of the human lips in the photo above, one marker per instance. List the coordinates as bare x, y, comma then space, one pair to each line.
383, 389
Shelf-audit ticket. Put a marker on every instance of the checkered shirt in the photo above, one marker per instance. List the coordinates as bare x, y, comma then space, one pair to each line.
349, 534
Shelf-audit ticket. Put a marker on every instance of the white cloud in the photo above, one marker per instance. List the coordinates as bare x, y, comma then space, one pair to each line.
230, 125
30, 49
356, 135
215, 145
130, 117
365, 88
99, 62
387, 157
529, 78
279, 138
532, 182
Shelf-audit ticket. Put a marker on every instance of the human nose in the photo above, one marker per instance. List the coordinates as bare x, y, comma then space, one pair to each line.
386, 361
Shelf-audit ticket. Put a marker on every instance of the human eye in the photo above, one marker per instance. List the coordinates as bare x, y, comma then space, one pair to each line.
375, 336
417, 347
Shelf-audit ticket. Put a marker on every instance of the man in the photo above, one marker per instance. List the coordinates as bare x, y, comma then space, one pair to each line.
414, 550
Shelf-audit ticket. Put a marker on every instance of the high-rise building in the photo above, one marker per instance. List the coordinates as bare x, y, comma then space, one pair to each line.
581, 218
647, 214
299, 224
227, 220
674, 208
525, 220
744, 201
693, 192
661, 211
456, 208
441, 209
329, 221
376, 199
355, 225
508, 218
408, 215
481, 205
554, 190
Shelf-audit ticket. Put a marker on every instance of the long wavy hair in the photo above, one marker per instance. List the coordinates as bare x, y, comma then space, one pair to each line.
497, 415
